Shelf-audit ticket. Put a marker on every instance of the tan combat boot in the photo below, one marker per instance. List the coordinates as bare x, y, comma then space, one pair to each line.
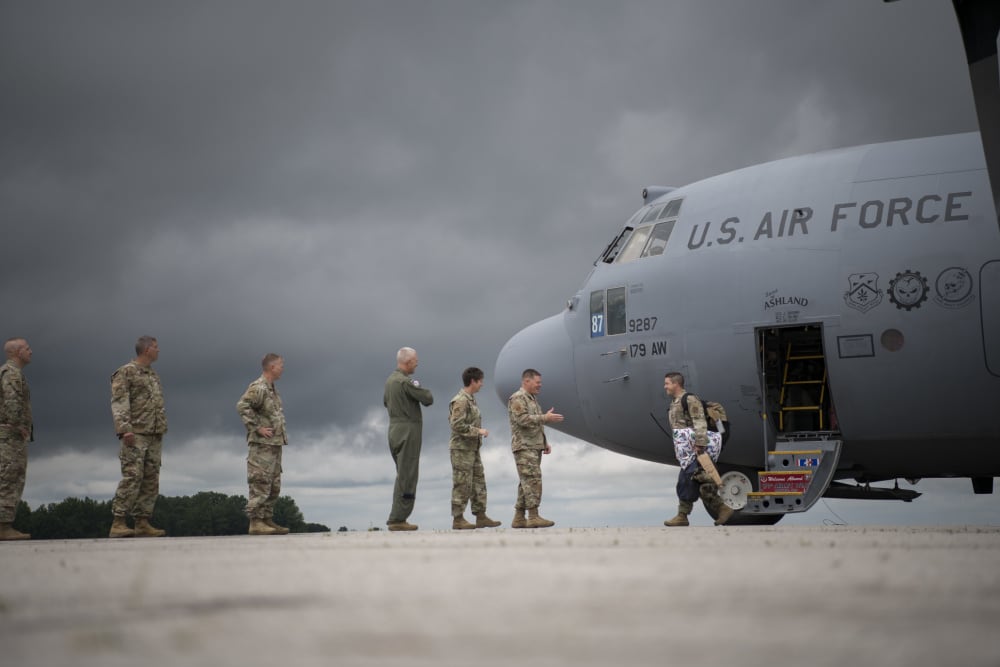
483, 521
144, 529
120, 529
680, 520
9, 532
725, 514
401, 525
459, 523
519, 521
279, 530
259, 527
535, 521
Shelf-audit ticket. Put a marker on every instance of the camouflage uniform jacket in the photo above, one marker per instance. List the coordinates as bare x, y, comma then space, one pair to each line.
526, 422
137, 400
15, 403
697, 421
465, 420
260, 407
403, 396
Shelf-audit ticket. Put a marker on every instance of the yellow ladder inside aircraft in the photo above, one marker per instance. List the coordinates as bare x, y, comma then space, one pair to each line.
785, 383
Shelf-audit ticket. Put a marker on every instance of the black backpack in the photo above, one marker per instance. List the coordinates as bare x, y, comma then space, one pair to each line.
715, 415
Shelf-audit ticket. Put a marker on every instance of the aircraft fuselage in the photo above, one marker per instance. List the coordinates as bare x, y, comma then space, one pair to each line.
889, 254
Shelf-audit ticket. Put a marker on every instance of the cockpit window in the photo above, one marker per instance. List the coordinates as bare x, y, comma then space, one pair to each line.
615, 246
649, 240
658, 239
637, 216
652, 214
633, 249
671, 210
641, 239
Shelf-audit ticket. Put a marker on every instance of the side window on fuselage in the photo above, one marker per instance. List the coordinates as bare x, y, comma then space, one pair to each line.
616, 311
607, 312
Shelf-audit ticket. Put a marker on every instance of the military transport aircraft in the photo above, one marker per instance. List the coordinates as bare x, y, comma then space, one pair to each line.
843, 306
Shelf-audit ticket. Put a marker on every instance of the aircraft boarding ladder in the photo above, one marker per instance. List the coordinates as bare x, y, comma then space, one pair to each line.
805, 369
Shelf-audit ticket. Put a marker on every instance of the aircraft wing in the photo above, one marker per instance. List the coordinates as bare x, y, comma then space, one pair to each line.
979, 21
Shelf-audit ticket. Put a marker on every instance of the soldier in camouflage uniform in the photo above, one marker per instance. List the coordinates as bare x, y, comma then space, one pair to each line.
16, 431
528, 442
140, 422
262, 413
691, 437
402, 398
467, 433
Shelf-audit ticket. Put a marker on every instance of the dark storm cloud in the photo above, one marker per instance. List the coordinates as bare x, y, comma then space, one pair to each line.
332, 181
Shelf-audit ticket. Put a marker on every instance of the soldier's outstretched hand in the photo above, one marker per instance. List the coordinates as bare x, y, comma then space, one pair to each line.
553, 416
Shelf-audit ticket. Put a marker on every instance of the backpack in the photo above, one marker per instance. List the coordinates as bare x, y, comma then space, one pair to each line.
715, 415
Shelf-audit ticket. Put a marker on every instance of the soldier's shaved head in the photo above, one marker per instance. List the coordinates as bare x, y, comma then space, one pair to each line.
530, 373
13, 346
675, 377
269, 359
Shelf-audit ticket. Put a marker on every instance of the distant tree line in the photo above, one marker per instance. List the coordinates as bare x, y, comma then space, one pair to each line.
204, 513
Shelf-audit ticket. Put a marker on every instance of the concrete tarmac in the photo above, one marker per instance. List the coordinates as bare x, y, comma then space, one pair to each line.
742, 596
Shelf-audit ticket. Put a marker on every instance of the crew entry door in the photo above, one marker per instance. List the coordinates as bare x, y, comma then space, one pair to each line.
795, 380
603, 367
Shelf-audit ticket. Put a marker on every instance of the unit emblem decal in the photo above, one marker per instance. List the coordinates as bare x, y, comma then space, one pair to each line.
862, 292
908, 290
954, 288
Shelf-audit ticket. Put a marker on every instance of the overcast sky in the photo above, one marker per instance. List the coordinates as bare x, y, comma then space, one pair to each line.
334, 180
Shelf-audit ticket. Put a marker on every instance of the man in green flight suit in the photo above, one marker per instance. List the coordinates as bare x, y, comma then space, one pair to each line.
402, 398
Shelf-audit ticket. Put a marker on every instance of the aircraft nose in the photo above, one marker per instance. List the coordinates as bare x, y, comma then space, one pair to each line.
545, 346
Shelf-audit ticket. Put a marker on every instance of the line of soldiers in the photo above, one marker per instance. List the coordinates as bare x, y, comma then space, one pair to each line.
140, 422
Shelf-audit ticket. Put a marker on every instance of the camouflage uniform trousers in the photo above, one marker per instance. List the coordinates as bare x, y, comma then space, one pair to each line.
140, 485
529, 471
264, 479
708, 492
467, 481
13, 467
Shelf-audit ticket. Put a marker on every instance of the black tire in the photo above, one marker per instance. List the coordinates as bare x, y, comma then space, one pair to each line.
740, 519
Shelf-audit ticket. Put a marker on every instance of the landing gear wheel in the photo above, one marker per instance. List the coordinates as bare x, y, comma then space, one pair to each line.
734, 489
